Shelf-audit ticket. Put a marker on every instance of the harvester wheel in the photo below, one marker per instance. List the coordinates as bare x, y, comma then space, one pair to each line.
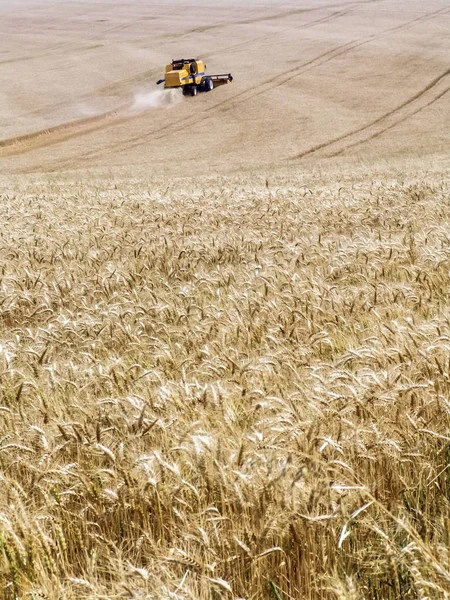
209, 85
194, 90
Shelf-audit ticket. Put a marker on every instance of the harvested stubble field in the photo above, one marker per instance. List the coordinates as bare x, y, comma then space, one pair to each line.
242, 393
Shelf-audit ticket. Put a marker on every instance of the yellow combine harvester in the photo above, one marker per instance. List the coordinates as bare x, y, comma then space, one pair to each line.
190, 74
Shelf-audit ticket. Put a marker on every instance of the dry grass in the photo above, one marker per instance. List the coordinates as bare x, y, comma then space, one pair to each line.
229, 393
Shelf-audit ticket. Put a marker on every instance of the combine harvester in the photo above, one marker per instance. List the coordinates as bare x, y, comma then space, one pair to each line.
190, 75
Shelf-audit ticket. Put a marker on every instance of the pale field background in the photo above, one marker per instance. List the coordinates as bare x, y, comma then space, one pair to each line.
224, 320
312, 79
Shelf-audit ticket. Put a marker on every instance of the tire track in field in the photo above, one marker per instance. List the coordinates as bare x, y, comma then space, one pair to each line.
59, 133
275, 16
392, 125
329, 56
387, 121
74, 45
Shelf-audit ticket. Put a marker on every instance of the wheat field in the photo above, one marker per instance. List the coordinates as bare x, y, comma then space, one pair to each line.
225, 320
232, 391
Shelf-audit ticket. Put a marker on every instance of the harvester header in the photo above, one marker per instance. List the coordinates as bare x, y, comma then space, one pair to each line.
190, 75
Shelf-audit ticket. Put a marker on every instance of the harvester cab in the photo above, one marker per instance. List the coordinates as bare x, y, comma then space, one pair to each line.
190, 75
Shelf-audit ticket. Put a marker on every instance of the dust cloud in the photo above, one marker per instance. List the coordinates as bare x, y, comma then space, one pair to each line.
156, 99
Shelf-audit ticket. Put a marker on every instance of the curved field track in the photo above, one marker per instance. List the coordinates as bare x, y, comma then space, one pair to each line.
433, 92
60, 133
312, 80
